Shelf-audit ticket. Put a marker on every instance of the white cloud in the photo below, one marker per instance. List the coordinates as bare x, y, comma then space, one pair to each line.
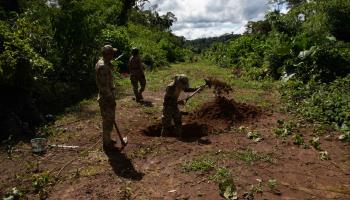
207, 18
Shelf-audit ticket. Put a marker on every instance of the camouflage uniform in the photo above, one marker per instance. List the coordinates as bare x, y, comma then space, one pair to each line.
106, 98
171, 110
137, 76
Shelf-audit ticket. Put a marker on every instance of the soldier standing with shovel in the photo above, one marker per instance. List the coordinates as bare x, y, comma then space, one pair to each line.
106, 96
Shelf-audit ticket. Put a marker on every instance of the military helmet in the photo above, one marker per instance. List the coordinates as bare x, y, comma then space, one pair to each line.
182, 79
135, 51
108, 49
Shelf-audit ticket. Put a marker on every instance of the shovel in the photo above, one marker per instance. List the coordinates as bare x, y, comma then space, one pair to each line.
207, 83
123, 140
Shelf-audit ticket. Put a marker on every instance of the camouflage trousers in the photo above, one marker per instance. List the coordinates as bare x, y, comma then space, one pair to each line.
171, 113
135, 80
107, 108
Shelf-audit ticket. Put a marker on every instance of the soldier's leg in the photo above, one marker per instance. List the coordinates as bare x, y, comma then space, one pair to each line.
178, 122
166, 121
108, 117
142, 80
135, 86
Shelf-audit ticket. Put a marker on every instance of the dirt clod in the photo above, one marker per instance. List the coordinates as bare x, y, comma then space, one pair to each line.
220, 87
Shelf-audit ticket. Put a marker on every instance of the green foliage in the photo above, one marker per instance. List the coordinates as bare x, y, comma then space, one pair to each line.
118, 37
15, 194
315, 142
321, 102
48, 54
228, 189
284, 128
222, 173
203, 164
298, 139
272, 183
345, 132
249, 156
255, 136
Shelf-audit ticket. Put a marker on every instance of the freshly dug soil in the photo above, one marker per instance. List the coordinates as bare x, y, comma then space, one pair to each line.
215, 115
227, 110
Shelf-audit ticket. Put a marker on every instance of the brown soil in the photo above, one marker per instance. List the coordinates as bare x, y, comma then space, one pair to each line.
213, 116
149, 167
227, 110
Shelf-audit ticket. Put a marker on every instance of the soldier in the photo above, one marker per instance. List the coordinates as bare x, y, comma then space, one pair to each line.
137, 74
171, 110
106, 96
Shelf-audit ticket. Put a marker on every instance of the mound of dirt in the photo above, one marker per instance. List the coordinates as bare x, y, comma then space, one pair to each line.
210, 117
225, 110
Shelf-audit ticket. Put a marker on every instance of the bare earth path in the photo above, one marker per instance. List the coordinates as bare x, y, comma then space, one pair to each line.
168, 168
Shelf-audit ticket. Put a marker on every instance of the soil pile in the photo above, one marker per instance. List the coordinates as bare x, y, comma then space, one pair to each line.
212, 116
225, 110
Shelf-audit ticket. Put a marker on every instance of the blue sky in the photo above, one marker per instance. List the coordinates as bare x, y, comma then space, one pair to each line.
207, 18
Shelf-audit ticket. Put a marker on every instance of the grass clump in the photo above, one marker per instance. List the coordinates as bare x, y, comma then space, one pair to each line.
250, 156
203, 164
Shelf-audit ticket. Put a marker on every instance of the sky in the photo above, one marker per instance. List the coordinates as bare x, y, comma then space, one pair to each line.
208, 18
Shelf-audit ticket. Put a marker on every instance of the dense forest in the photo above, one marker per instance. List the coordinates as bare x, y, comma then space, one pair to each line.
48, 51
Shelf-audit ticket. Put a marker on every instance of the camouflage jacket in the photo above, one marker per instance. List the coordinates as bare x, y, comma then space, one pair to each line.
172, 94
104, 80
135, 66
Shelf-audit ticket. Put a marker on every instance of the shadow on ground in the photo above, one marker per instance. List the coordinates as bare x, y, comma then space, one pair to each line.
147, 103
122, 165
193, 132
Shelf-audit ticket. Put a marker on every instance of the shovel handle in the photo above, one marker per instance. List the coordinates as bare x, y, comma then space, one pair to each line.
119, 134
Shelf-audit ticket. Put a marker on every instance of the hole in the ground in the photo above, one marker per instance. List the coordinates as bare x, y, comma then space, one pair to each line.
191, 130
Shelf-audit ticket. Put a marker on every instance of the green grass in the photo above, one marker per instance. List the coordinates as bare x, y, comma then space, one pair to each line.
203, 164
222, 173
250, 156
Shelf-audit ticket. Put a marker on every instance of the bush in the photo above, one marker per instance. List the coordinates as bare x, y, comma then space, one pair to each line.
316, 101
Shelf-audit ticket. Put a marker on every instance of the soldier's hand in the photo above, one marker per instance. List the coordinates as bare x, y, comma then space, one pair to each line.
182, 102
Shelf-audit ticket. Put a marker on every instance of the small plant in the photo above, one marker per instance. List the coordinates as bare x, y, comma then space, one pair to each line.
228, 189
345, 135
255, 136
15, 194
203, 164
284, 128
298, 139
315, 142
272, 183
222, 173
126, 191
40, 181
324, 155
257, 188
